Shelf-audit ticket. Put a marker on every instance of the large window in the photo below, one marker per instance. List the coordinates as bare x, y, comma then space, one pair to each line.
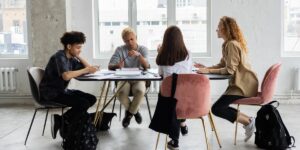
150, 18
13, 29
191, 17
291, 28
151, 23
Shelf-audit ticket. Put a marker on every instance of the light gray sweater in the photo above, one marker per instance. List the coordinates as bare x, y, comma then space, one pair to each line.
130, 62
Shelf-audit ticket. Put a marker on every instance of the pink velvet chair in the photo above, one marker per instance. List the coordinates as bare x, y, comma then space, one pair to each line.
193, 99
268, 86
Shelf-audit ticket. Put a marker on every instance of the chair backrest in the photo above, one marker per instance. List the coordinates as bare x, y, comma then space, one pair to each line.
192, 94
35, 75
268, 84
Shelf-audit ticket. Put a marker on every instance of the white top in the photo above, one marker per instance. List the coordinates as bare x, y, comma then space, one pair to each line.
181, 67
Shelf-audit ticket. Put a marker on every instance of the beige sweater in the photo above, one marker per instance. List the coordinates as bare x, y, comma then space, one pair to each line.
234, 61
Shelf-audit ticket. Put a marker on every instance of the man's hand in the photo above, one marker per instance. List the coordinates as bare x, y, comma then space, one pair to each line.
120, 64
134, 53
92, 69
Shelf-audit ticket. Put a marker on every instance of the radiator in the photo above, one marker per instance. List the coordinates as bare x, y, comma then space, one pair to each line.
8, 79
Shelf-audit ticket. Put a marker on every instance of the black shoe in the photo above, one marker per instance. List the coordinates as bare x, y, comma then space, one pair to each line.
173, 145
126, 119
55, 124
138, 118
184, 130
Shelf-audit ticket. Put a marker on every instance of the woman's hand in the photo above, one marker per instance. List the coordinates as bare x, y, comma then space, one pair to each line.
198, 65
158, 48
203, 70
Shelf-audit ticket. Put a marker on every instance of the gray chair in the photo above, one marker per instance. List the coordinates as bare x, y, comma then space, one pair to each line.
35, 75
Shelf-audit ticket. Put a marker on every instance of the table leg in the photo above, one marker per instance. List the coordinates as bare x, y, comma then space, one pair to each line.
105, 105
99, 103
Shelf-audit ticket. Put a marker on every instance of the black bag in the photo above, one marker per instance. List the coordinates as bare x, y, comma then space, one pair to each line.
104, 121
271, 132
164, 118
80, 135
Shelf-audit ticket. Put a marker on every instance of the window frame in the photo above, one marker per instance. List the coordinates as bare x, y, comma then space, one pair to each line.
27, 28
132, 22
284, 52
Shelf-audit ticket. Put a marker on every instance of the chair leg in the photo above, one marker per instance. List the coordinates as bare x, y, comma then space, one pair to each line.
211, 122
148, 105
30, 126
207, 145
45, 121
113, 109
210, 117
62, 122
166, 142
120, 112
157, 140
236, 124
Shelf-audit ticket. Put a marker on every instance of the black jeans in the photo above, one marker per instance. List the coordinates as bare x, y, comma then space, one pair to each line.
175, 132
78, 101
221, 107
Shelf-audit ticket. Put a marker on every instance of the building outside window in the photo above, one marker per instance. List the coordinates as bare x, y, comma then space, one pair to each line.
291, 31
149, 19
13, 29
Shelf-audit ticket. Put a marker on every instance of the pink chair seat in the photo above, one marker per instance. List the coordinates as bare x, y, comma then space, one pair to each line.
267, 88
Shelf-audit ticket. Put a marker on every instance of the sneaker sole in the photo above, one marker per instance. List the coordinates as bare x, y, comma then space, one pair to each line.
172, 148
248, 138
52, 127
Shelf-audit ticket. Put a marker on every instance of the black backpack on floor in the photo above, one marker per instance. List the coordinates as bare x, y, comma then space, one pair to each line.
271, 132
80, 135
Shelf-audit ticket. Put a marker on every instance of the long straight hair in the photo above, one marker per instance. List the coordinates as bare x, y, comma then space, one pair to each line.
173, 48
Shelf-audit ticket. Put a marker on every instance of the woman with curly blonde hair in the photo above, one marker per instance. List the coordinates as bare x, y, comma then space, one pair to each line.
243, 82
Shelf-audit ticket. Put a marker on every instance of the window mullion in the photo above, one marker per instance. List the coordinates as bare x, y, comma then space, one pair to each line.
132, 14
171, 12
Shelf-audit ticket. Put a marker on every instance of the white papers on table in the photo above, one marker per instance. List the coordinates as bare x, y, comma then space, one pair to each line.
128, 72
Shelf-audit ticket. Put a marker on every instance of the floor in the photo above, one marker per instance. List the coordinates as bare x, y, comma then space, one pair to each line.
15, 120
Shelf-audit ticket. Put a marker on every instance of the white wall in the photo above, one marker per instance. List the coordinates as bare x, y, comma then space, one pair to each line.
260, 21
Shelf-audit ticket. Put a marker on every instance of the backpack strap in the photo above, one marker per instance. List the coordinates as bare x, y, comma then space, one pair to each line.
285, 129
289, 136
293, 141
174, 84
272, 103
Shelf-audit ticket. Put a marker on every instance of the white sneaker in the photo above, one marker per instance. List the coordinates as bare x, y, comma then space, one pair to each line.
249, 129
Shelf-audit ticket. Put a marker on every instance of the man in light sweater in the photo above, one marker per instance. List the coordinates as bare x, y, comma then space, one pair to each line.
130, 55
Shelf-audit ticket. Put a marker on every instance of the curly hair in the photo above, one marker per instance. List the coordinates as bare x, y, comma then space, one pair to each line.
233, 32
73, 37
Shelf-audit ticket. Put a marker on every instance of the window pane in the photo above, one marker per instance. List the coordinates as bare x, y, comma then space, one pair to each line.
292, 26
152, 15
191, 18
13, 29
113, 18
